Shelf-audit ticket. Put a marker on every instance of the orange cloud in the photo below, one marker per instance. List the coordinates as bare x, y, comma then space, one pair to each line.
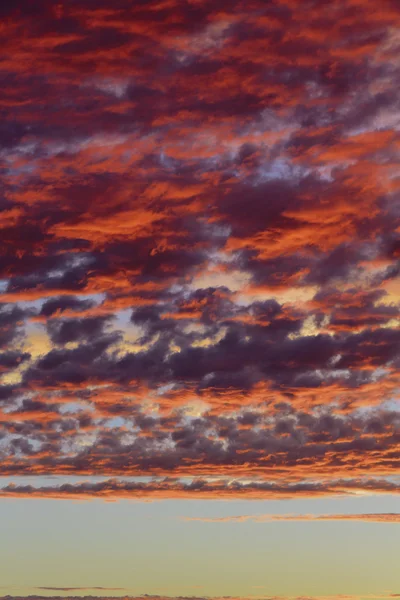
369, 517
200, 215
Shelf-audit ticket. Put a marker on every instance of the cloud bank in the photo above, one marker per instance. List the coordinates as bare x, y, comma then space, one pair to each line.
159, 489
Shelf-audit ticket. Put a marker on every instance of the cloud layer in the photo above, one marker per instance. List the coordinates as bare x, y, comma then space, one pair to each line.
159, 489
200, 243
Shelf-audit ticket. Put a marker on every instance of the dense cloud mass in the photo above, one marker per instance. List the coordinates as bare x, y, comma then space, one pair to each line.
200, 246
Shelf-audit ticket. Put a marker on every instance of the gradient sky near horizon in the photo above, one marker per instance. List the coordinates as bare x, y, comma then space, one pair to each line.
199, 298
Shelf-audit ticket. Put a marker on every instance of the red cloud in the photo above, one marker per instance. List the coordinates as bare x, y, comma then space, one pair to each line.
199, 240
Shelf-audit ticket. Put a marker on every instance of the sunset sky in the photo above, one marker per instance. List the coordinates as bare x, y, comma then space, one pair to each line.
199, 298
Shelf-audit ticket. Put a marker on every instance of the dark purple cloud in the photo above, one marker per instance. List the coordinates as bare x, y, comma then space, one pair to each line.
199, 245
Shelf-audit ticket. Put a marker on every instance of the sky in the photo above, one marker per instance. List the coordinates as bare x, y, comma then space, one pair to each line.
199, 299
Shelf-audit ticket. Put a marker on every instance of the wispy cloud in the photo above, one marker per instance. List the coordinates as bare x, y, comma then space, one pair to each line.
384, 596
79, 589
267, 518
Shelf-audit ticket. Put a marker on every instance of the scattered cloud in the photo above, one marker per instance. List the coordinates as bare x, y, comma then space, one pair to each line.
199, 245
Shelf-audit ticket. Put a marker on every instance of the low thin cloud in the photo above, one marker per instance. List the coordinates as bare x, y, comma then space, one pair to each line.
78, 589
368, 517
382, 596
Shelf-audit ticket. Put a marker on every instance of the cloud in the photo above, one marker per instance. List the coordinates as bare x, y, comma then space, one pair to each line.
283, 444
199, 240
368, 517
160, 489
158, 597
78, 589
